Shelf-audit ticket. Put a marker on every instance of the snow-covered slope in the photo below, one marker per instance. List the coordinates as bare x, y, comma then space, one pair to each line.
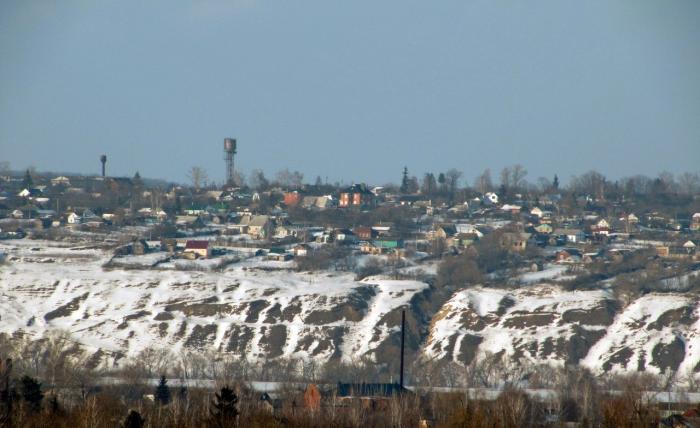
256, 310
249, 312
546, 324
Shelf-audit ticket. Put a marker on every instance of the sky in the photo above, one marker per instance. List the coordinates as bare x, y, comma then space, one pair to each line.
351, 91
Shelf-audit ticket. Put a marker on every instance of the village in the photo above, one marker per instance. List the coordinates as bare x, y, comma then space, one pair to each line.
402, 225
438, 239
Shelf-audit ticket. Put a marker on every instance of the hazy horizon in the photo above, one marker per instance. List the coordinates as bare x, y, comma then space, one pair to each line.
351, 91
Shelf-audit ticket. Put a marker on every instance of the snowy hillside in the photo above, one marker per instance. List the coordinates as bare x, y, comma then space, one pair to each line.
546, 324
260, 309
259, 313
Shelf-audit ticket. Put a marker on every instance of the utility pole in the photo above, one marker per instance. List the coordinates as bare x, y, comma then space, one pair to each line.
403, 336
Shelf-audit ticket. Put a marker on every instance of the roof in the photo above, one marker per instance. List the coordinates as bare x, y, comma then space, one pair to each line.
197, 245
568, 231
255, 220
358, 188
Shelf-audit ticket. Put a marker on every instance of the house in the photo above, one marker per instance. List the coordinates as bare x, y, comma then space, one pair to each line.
569, 255
292, 198
60, 181
139, 247
601, 228
344, 236
573, 236
317, 202
367, 247
464, 240
368, 396
383, 228
537, 212
513, 209
364, 233
695, 222
544, 228
357, 195
468, 228
188, 221
199, 249
490, 198
516, 241
259, 226
444, 231
74, 218
46, 214
196, 210
301, 250
278, 255
388, 243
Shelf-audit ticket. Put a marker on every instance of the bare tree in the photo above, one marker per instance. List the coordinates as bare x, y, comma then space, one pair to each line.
258, 181
198, 177
452, 177
689, 183
483, 182
591, 183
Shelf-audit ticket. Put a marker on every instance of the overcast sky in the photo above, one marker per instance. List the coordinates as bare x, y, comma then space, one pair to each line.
351, 90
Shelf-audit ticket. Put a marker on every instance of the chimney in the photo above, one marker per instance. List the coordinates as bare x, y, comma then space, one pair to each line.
403, 335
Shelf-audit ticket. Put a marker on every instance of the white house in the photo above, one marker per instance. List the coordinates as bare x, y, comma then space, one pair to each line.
490, 198
572, 235
74, 218
60, 180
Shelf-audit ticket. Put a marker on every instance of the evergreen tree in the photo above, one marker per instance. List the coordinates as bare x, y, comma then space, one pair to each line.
443, 182
31, 392
225, 408
319, 182
405, 181
27, 182
555, 182
134, 420
137, 180
162, 394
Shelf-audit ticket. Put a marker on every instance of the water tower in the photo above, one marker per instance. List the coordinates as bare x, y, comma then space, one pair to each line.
229, 152
103, 159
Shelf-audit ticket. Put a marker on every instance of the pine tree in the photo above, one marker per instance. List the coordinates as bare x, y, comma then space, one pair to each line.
225, 409
27, 182
137, 180
162, 394
555, 182
405, 180
31, 392
443, 182
134, 420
